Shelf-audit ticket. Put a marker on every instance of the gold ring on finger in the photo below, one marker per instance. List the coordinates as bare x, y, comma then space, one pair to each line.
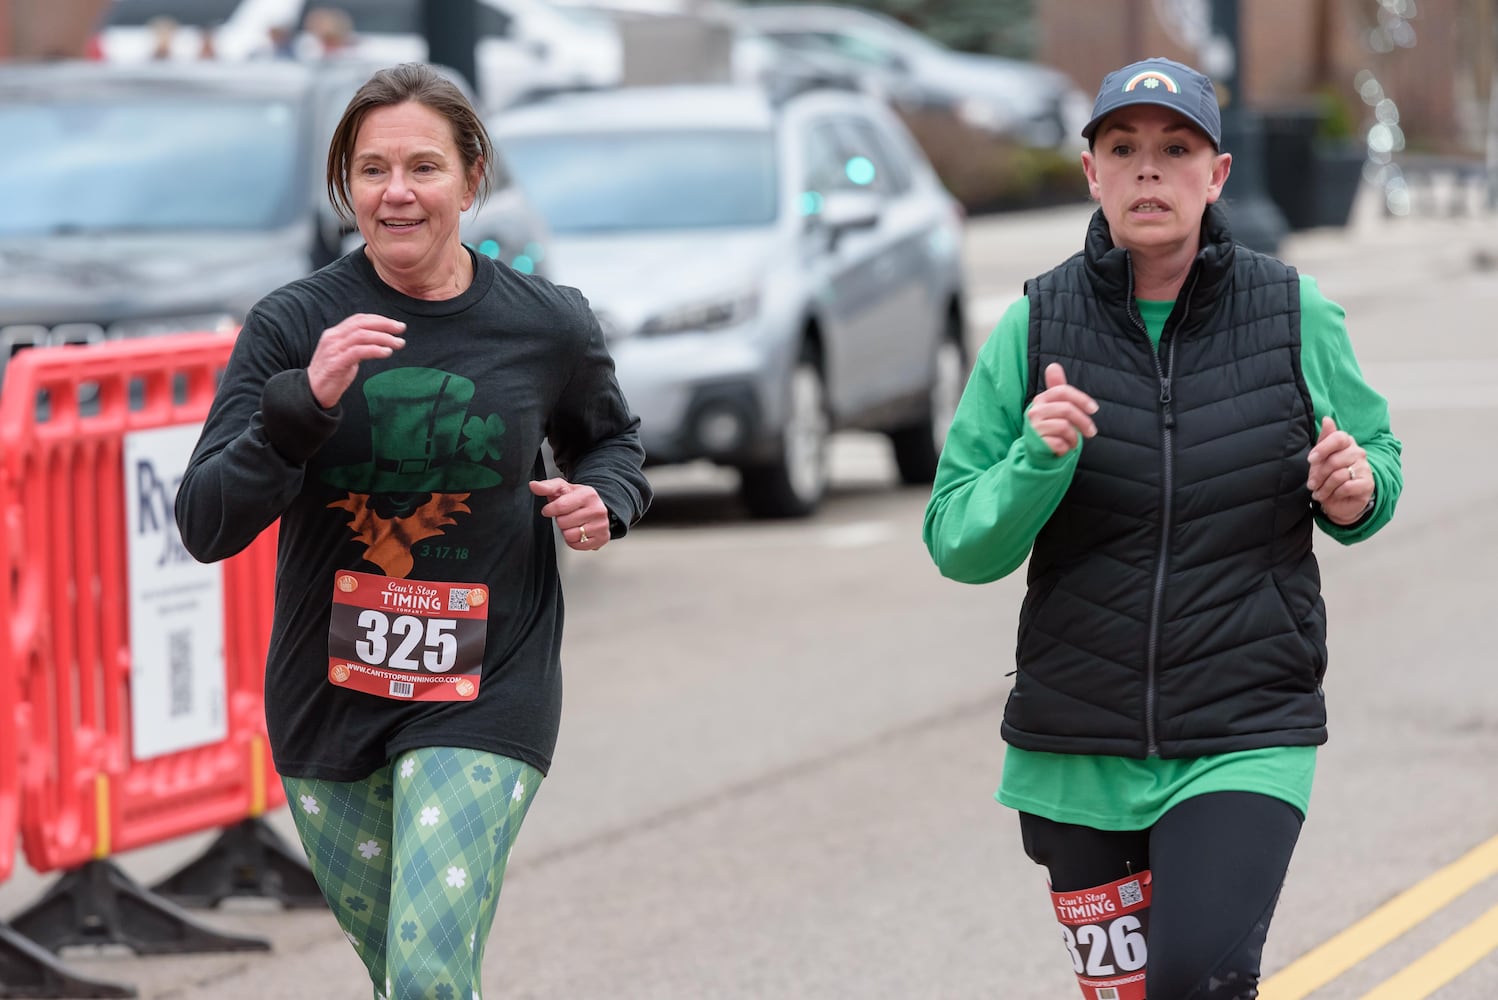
582, 536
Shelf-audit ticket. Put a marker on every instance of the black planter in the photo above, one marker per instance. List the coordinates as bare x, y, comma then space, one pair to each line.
1312, 181
1289, 136
1337, 171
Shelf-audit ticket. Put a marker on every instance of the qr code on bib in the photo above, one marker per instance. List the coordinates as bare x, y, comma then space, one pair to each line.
1129, 893
1107, 993
457, 600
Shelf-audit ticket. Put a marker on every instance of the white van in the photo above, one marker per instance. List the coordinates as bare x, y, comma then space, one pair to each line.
524, 47
238, 29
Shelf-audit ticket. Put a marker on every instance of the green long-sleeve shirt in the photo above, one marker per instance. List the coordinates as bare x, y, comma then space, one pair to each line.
998, 483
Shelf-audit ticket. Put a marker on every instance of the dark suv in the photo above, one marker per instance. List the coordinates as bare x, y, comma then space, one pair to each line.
169, 198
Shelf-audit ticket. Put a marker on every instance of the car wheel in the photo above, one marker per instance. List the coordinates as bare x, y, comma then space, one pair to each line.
918, 447
794, 483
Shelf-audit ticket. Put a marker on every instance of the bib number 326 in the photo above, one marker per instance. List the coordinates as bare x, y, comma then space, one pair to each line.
1105, 931
412, 640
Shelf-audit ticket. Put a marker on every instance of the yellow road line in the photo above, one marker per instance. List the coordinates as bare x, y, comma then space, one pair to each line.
1442, 963
1321, 965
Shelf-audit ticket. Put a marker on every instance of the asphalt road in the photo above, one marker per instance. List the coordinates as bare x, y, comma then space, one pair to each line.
780, 741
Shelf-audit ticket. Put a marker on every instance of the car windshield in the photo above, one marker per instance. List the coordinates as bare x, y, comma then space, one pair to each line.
860, 36
620, 181
113, 165
557, 16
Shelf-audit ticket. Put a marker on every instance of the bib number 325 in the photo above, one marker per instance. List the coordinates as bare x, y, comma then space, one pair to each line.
393, 641
1105, 930
411, 640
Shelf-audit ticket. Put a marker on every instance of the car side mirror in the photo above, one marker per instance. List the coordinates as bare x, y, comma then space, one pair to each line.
329, 238
845, 210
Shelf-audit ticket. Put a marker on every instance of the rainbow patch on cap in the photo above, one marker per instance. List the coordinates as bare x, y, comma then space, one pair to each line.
1151, 78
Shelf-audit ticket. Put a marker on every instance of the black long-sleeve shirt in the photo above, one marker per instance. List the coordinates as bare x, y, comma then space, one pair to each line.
420, 473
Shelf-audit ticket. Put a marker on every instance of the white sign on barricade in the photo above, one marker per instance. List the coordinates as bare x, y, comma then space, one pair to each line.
177, 673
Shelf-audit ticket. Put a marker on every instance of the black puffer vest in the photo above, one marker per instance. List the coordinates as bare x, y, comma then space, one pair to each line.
1175, 606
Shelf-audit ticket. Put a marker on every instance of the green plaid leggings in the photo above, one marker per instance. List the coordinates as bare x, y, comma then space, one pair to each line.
411, 859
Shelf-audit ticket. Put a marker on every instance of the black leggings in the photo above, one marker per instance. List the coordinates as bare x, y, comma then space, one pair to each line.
1217, 862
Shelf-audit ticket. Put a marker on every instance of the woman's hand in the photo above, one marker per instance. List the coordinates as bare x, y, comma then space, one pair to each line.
1061, 414
341, 348
1340, 479
580, 514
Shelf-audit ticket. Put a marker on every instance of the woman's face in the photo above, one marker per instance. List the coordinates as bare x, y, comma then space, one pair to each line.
1154, 173
409, 189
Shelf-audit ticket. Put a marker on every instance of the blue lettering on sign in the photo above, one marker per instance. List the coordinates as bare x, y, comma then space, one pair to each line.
157, 514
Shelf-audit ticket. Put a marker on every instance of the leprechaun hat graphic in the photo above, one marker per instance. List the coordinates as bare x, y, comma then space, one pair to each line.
423, 439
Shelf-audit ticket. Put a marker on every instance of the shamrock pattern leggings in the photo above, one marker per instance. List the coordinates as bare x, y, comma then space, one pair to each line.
411, 859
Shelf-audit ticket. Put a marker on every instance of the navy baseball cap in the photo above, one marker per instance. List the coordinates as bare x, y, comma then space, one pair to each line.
1164, 82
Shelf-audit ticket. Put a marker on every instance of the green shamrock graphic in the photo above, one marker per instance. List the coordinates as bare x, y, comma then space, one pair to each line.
483, 437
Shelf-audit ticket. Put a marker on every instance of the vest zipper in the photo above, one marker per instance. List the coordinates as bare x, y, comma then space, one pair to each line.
1167, 494
1167, 489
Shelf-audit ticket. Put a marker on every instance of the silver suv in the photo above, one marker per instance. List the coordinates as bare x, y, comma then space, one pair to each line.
766, 271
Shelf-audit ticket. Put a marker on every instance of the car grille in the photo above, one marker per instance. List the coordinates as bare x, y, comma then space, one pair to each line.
19, 336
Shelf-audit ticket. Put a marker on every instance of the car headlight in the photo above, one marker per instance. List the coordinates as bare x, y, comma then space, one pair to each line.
713, 314
989, 116
608, 325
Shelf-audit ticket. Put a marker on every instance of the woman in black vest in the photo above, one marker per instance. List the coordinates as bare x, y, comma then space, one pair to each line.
1158, 425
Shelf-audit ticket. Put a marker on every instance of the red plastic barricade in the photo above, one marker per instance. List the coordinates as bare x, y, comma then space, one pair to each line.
12, 735
68, 417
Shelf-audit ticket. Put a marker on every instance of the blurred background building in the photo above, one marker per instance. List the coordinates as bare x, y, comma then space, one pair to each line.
1299, 53
48, 29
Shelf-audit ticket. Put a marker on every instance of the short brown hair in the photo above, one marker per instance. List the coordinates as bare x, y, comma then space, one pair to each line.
421, 84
